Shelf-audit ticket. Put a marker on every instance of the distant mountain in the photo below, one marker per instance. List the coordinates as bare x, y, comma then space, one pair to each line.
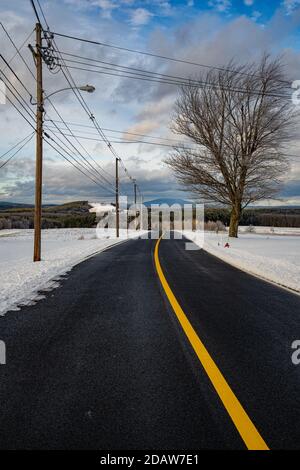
168, 201
11, 205
275, 207
4, 205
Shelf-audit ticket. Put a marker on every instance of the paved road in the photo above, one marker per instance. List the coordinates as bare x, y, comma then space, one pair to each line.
103, 363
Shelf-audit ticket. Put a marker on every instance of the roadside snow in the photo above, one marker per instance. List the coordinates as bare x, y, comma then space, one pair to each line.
270, 230
99, 208
21, 279
272, 257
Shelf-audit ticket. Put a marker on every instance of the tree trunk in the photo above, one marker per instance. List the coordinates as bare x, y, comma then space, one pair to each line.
235, 220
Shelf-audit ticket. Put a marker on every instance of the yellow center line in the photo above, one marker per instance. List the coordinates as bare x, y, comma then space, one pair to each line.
240, 418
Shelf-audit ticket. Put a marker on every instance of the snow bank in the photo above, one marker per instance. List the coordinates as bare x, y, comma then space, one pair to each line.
272, 257
270, 230
99, 208
21, 279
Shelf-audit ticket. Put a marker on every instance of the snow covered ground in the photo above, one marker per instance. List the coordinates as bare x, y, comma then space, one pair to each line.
21, 279
272, 256
100, 208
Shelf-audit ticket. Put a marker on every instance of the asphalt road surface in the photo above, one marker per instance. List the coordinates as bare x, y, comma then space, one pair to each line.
103, 362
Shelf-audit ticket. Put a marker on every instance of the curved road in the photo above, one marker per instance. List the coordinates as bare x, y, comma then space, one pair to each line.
103, 363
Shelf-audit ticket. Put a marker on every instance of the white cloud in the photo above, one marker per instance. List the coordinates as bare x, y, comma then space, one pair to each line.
291, 5
249, 3
107, 6
256, 15
140, 16
220, 5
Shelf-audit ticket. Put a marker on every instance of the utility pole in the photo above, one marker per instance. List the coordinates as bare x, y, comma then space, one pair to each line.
135, 209
117, 199
134, 183
39, 145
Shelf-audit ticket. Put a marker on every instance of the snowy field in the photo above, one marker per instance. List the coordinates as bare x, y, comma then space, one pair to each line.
272, 256
21, 279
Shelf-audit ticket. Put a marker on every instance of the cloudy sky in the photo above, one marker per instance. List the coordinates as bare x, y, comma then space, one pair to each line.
204, 31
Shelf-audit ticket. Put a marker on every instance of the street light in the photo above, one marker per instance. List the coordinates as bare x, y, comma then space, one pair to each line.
87, 88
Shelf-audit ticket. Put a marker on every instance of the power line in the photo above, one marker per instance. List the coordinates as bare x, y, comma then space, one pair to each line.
130, 141
22, 105
20, 81
17, 151
162, 145
58, 151
75, 137
123, 141
86, 162
83, 103
44, 17
149, 136
148, 78
35, 11
16, 145
151, 54
69, 153
75, 89
72, 135
89, 167
175, 145
18, 49
26, 119
67, 159
15, 75
155, 76
20, 112
124, 67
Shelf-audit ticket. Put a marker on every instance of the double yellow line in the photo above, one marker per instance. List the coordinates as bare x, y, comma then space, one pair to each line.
240, 418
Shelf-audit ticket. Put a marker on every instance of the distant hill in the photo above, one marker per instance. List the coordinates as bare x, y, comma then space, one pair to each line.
4, 205
71, 214
168, 201
11, 205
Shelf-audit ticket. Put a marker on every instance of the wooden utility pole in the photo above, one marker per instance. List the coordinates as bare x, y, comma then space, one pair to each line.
134, 183
39, 145
135, 209
117, 199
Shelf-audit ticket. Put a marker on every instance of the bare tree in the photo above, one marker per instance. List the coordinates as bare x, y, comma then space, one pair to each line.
240, 119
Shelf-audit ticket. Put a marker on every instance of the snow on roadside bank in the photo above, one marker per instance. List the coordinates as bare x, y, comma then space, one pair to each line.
275, 258
21, 279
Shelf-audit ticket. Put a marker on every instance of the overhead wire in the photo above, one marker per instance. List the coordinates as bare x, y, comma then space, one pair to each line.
147, 78
78, 95
83, 148
25, 63
86, 163
18, 49
18, 97
151, 54
17, 151
149, 136
16, 145
70, 161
